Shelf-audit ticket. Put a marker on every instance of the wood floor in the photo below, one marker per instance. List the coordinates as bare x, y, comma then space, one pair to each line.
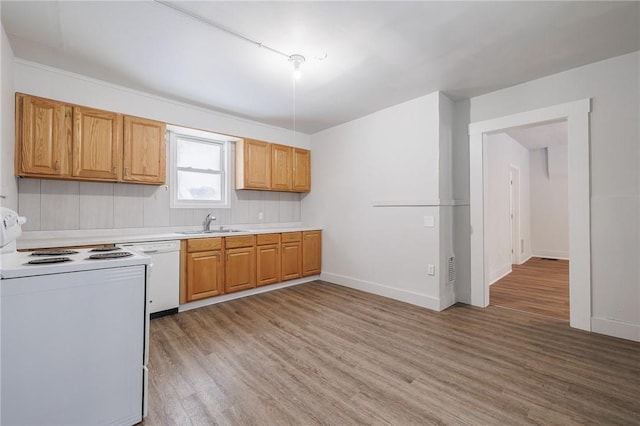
319, 353
540, 286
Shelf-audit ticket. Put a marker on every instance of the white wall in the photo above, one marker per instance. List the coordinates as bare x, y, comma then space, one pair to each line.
389, 155
503, 152
8, 184
614, 87
53, 205
549, 202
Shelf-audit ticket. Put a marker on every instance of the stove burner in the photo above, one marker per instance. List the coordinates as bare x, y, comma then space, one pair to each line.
110, 255
105, 249
53, 252
49, 260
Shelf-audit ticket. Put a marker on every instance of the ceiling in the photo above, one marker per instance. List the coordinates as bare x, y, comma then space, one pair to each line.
540, 135
378, 54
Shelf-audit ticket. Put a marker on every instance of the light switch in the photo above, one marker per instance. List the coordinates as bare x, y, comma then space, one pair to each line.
431, 269
429, 221
260, 216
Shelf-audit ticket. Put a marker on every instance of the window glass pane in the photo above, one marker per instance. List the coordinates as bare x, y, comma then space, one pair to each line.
198, 155
199, 186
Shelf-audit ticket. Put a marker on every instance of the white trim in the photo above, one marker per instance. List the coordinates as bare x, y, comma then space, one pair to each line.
245, 293
418, 203
577, 115
611, 327
383, 290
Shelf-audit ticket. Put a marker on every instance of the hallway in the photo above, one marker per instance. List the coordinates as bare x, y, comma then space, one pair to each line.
539, 286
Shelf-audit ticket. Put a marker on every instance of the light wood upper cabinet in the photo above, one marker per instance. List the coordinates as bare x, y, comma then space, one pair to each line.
253, 164
43, 137
97, 144
301, 170
63, 141
281, 167
272, 167
144, 150
311, 253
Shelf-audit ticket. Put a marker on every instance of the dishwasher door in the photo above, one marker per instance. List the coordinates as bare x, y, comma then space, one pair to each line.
164, 282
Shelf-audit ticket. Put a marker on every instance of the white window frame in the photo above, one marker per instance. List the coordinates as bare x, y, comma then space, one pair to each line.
175, 132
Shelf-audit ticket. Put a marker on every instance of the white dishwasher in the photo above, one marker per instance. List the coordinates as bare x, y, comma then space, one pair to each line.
164, 282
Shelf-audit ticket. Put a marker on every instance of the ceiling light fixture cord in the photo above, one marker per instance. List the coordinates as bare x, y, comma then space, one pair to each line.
221, 27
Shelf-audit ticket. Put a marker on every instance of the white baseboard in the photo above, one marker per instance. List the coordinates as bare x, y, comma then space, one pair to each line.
418, 299
621, 329
525, 260
245, 293
500, 274
551, 254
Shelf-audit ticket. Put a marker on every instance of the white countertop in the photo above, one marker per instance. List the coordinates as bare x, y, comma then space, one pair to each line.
51, 239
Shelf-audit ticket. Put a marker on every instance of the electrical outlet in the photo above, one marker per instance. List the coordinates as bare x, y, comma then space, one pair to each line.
431, 269
429, 221
260, 216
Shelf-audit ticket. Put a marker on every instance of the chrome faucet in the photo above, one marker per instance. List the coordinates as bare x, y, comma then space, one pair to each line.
207, 222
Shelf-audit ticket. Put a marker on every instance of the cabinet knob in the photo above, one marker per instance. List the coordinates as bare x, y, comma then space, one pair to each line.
56, 166
126, 171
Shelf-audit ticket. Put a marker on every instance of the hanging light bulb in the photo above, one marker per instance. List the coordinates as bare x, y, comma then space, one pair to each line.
297, 61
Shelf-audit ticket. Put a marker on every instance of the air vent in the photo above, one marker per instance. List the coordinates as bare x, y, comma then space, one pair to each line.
451, 269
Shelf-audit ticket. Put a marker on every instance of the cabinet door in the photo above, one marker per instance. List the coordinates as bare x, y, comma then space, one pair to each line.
204, 275
311, 253
144, 150
291, 261
97, 144
43, 137
268, 264
240, 269
253, 164
281, 167
301, 170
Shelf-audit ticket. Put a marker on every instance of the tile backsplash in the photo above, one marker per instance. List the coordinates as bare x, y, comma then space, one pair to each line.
51, 205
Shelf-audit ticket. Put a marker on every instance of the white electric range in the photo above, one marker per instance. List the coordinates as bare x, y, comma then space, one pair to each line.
74, 337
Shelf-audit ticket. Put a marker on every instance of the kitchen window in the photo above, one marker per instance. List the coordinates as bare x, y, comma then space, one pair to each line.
198, 161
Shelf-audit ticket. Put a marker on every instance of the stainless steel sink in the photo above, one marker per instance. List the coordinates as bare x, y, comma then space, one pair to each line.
211, 231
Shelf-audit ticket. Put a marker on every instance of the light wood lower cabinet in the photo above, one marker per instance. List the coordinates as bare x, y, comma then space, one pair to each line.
268, 259
240, 258
202, 269
311, 253
291, 255
216, 266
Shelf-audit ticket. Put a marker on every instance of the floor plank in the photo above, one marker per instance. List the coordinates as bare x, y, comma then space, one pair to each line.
319, 353
539, 286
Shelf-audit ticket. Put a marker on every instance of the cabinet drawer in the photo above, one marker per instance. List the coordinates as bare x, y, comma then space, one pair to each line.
264, 239
203, 244
290, 237
239, 241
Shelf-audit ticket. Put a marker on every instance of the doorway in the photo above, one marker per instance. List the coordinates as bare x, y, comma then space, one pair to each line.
577, 116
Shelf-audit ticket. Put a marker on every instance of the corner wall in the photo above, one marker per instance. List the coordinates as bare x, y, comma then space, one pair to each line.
8, 183
503, 152
389, 159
